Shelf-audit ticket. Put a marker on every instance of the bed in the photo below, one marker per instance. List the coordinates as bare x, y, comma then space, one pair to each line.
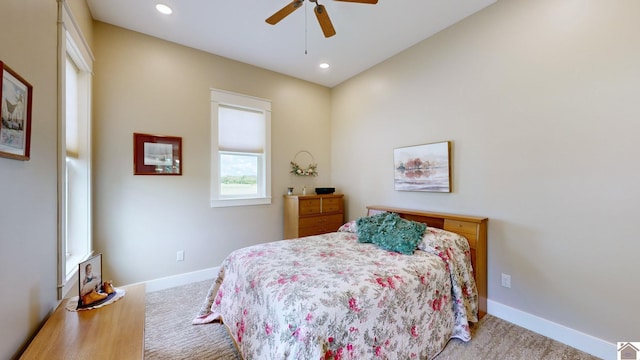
333, 296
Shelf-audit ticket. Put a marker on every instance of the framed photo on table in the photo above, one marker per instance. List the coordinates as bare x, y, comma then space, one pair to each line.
157, 155
90, 280
15, 110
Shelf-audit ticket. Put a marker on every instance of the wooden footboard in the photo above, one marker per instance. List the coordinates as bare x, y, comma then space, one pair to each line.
473, 228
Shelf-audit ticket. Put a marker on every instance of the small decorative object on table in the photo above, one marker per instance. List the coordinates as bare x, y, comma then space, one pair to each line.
92, 291
289, 191
311, 170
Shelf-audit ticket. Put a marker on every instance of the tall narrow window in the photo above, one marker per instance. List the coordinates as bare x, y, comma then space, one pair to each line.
77, 197
240, 137
74, 138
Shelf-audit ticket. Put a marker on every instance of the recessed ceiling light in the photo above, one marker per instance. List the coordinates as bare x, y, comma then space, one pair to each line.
324, 66
164, 9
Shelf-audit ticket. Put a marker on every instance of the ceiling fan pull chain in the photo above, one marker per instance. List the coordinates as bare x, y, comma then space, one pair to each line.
306, 15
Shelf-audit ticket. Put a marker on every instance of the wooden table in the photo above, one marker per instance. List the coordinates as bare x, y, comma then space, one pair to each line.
114, 331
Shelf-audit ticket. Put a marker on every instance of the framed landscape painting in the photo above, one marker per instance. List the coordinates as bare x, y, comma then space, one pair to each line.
423, 167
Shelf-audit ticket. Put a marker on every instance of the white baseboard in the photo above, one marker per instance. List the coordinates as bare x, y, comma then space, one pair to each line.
181, 279
576, 339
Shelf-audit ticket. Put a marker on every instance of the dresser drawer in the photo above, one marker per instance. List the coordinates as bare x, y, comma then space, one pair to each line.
331, 205
314, 221
309, 206
322, 226
312, 231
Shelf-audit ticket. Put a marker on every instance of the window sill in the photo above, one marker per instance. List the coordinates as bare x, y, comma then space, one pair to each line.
240, 202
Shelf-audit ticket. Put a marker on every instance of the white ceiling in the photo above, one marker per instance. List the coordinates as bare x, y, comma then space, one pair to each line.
366, 34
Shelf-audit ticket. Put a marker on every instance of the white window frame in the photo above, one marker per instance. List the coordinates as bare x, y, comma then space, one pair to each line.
221, 97
72, 45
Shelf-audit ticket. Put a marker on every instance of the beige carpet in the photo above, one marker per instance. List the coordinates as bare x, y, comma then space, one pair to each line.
169, 334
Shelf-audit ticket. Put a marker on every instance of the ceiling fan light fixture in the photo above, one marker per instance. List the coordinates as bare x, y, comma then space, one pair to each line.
319, 10
164, 9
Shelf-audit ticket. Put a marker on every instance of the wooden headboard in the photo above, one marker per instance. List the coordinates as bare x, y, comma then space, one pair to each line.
473, 228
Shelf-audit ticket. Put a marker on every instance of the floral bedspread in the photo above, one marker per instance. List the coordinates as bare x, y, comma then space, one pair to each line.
330, 297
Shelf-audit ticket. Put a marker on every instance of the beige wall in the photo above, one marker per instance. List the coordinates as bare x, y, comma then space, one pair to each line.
28, 214
540, 101
147, 85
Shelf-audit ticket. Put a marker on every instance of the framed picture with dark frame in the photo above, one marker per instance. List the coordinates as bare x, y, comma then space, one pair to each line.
423, 167
15, 109
157, 155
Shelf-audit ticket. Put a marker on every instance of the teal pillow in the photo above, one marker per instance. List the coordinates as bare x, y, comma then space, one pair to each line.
368, 226
399, 235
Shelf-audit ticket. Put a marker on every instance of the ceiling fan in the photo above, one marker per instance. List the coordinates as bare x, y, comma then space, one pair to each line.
320, 10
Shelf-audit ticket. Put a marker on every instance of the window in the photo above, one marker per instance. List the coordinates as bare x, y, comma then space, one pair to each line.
74, 138
241, 150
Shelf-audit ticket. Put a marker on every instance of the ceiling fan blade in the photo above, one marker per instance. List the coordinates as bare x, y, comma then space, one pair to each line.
361, 1
282, 13
325, 22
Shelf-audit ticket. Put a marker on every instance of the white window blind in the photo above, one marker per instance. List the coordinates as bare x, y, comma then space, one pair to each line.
240, 130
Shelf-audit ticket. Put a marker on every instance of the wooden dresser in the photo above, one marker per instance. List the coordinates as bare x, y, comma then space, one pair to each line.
306, 215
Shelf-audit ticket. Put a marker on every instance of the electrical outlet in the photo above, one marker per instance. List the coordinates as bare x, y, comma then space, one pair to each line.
506, 281
180, 255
